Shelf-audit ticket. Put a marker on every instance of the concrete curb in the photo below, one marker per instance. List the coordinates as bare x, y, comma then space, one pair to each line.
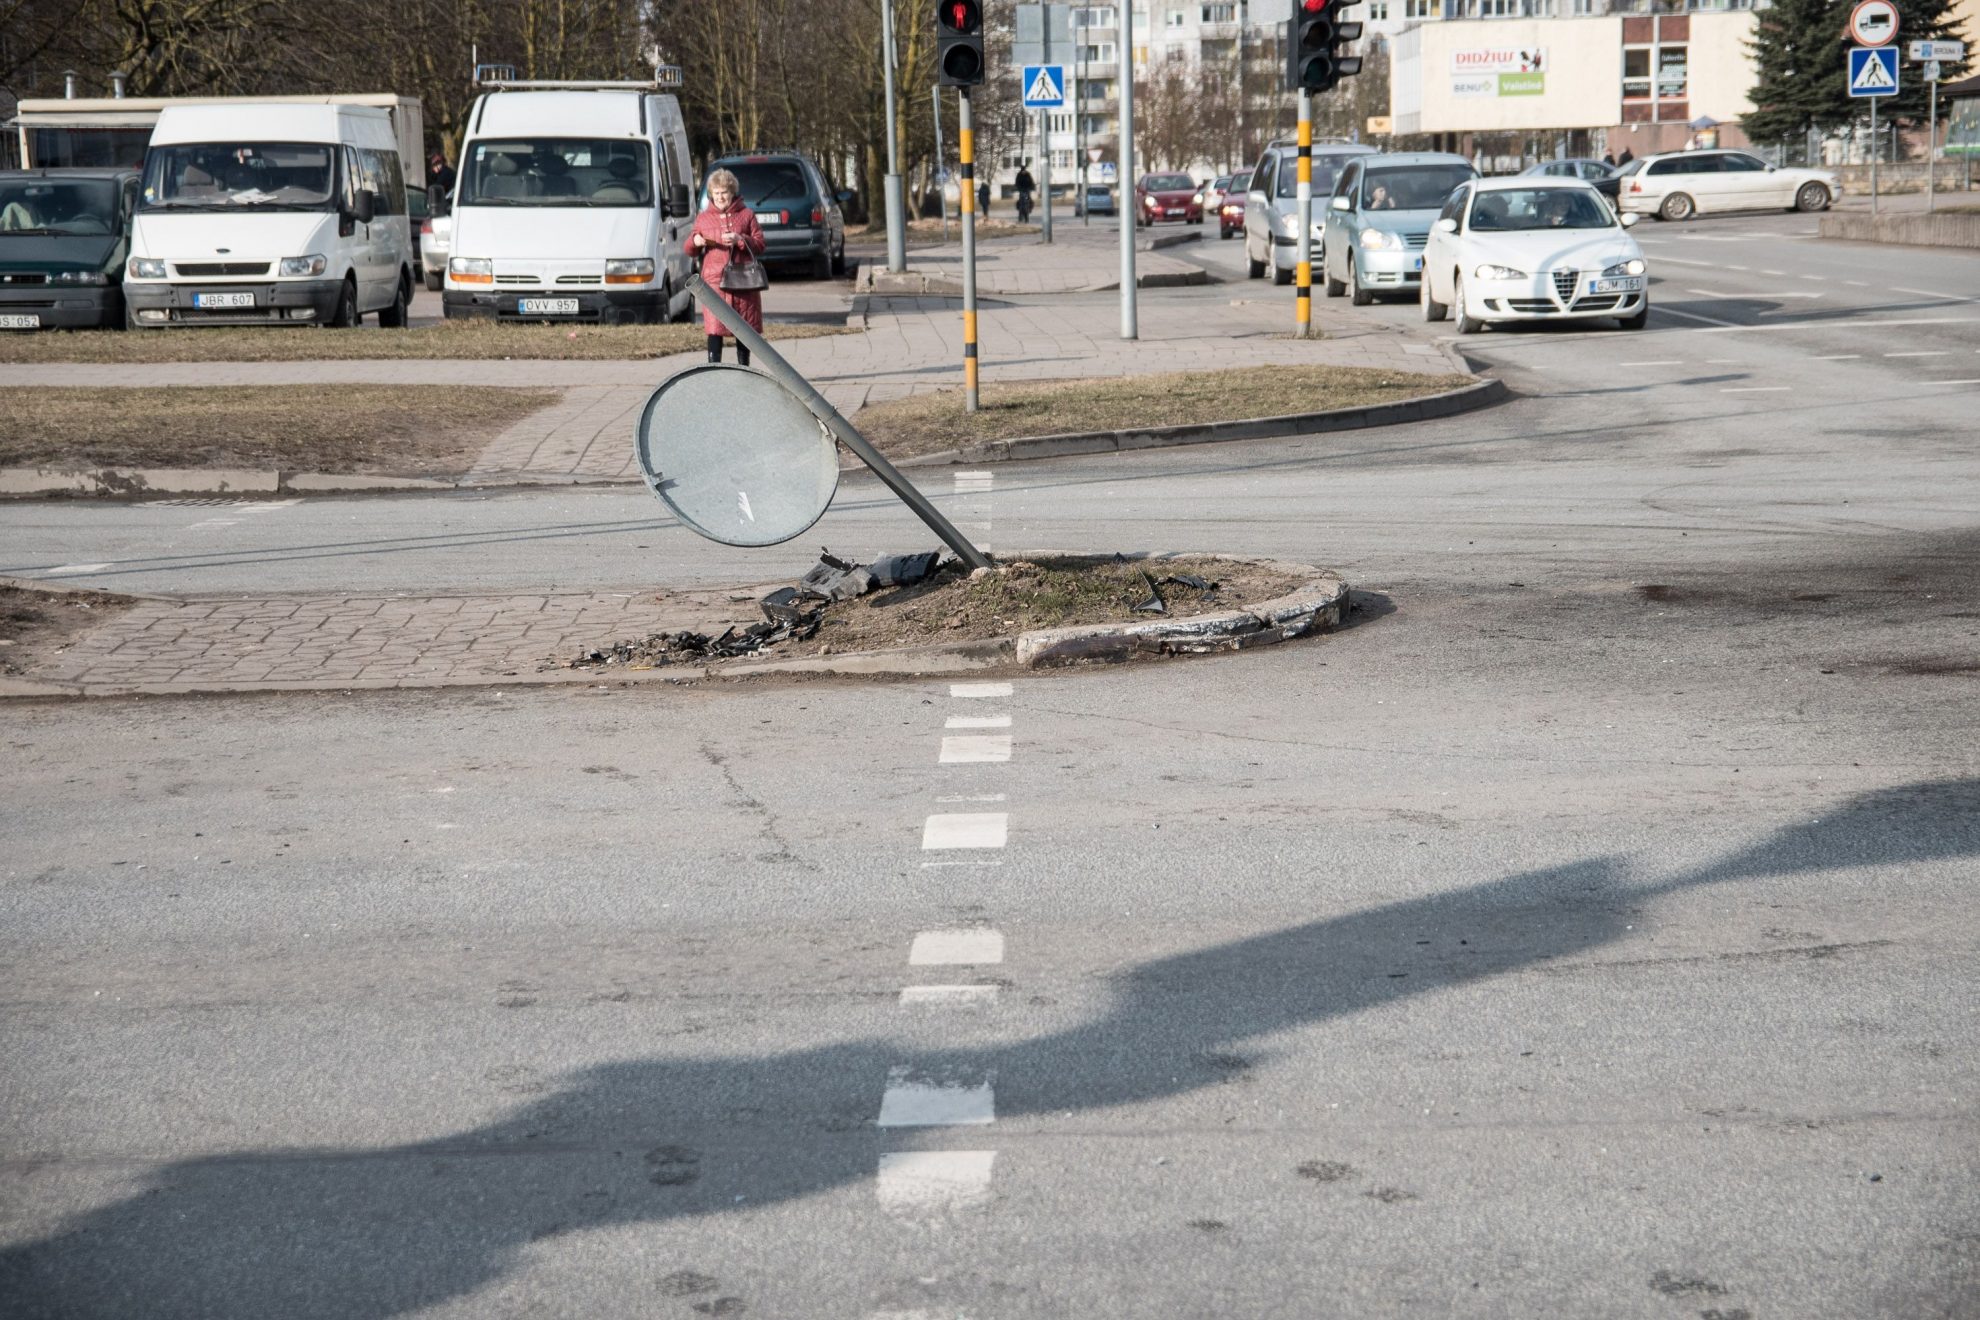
1915, 229
1318, 604
1447, 404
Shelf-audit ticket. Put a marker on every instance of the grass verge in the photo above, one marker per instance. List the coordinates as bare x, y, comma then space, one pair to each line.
400, 430
933, 422
450, 341
37, 624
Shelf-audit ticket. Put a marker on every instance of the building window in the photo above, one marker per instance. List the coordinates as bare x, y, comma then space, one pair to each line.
1100, 18
1096, 125
1378, 10
1671, 72
1177, 54
1498, 8
1062, 160
1420, 8
1587, 8
1217, 13
1636, 73
1095, 89
1097, 52
1059, 123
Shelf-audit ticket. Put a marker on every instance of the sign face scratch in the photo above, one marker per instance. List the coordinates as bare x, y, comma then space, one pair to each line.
742, 500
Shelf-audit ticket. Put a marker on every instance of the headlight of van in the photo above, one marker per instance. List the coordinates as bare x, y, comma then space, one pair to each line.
146, 268
1380, 240
1634, 266
471, 270
313, 264
629, 270
78, 277
1491, 272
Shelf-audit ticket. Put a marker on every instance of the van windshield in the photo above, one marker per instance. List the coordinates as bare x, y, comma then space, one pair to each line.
62, 207
557, 172
1326, 169
768, 182
1412, 187
240, 176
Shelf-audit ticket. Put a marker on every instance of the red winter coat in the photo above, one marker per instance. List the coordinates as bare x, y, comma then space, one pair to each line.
740, 221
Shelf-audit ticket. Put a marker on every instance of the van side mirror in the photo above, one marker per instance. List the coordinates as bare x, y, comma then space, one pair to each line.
1448, 224
678, 202
1341, 203
364, 207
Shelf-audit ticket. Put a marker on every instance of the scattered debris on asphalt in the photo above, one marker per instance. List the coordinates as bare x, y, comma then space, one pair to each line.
1154, 604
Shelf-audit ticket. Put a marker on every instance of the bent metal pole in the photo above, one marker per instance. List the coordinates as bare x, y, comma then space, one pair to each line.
1303, 295
715, 305
966, 147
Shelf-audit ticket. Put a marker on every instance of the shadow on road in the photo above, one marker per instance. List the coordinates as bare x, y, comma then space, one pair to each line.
375, 1232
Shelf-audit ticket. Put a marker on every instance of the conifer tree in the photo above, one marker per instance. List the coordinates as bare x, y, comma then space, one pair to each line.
1801, 81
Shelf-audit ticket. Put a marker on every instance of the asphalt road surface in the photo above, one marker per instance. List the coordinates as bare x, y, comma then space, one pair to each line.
1586, 930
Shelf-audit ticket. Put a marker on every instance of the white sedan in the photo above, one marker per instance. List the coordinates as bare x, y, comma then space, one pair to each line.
1682, 184
1529, 249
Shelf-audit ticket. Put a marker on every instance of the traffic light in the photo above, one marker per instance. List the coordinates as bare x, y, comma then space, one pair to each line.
958, 43
1314, 38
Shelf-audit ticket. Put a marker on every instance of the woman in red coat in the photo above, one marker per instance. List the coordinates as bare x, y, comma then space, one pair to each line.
726, 230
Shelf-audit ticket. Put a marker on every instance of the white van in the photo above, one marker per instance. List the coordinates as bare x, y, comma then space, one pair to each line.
572, 204
270, 214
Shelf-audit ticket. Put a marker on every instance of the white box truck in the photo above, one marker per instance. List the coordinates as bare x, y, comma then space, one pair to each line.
572, 203
270, 214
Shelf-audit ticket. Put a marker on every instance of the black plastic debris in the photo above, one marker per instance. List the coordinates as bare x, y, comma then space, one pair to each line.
781, 606
1155, 604
1189, 580
903, 570
835, 579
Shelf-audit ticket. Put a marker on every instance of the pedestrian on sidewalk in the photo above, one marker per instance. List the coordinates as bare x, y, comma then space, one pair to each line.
983, 197
727, 236
1025, 185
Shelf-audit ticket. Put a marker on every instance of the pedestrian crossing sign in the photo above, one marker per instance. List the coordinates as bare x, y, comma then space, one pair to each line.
1044, 86
1873, 71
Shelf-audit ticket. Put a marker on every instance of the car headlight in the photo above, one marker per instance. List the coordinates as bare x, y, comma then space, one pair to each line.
78, 277
1150, 202
146, 268
313, 264
1634, 266
629, 270
1198, 199
471, 266
1380, 240
1491, 272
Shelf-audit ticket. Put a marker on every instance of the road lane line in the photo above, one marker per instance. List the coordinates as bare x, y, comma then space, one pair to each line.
1930, 293
1666, 362
1758, 297
970, 797
971, 947
974, 748
974, 690
912, 1102
1695, 316
1827, 323
948, 996
1969, 380
1925, 352
1755, 389
63, 570
1838, 357
978, 722
977, 829
921, 1183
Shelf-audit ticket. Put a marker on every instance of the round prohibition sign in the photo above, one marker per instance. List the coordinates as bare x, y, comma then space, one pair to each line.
1873, 22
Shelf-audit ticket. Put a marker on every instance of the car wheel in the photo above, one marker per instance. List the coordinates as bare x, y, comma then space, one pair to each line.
1638, 321
1678, 206
346, 314
1253, 268
839, 259
1334, 287
1812, 197
397, 317
1432, 309
1281, 275
1362, 297
821, 265
434, 279
1466, 325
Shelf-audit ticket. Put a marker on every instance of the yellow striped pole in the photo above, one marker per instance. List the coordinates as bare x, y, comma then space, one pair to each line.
1303, 295
966, 137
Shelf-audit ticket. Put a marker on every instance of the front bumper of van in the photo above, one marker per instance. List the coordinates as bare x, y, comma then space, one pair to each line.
59, 307
645, 306
276, 302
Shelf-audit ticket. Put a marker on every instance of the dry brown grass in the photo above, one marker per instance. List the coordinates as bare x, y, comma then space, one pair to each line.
36, 624
450, 341
931, 423
401, 430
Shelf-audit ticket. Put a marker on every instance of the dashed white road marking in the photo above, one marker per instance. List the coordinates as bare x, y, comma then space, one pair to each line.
1971, 380
978, 722
1695, 316
920, 1182
269, 506
971, 748
968, 483
1931, 293
1757, 297
975, 829
910, 1101
1925, 352
949, 948
970, 797
1667, 362
63, 570
1754, 389
213, 522
976, 690
1857, 284
1839, 357
948, 996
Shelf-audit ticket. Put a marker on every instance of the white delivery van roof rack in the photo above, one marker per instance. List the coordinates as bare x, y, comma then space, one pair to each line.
666, 77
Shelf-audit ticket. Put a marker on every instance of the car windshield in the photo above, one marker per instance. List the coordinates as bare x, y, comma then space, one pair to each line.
1326, 169
557, 172
58, 206
770, 182
1509, 209
1168, 183
1411, 187
240, 176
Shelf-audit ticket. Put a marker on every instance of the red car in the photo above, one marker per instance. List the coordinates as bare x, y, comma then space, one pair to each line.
1167, 197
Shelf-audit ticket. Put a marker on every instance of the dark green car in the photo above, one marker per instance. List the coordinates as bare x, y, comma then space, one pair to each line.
64, 235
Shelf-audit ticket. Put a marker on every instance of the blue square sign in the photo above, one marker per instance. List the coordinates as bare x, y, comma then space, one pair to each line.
1044, 86
1873, 71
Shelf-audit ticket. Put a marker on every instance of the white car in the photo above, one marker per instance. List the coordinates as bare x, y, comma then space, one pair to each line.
436, 235
1682, 184
1532, 249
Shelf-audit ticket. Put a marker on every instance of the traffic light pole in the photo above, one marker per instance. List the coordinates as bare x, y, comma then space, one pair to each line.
1303, 294
896, 201
1124, 176
966, 147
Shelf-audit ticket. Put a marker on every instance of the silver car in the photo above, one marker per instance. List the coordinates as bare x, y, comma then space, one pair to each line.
1379, 219
1271, 204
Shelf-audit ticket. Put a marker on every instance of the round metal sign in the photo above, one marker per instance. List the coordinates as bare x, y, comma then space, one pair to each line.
736, 456
1873, 22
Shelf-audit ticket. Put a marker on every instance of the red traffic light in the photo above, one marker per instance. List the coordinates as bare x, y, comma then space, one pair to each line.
964, 16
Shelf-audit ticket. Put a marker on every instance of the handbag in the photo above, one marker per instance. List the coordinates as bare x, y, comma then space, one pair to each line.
744, 276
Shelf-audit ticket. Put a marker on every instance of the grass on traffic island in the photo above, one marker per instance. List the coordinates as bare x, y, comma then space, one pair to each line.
934, 422
408, 430
455, 341
35, 625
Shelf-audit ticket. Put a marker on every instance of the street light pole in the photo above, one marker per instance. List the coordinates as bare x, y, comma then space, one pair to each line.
1124, 173
896, 203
